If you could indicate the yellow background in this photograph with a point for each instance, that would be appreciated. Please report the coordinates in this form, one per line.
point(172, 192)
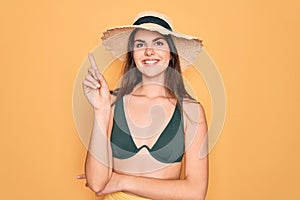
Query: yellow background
point(254, 43)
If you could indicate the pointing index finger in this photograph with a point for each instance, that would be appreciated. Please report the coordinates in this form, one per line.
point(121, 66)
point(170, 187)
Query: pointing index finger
point(92, 61)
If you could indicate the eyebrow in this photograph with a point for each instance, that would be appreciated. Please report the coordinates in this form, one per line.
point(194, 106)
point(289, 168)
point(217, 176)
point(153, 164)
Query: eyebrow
point(154, 40)
point(138, 40)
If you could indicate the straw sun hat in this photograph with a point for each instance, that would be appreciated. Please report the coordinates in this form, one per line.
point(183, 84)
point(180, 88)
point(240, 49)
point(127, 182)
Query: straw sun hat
point(115, 39)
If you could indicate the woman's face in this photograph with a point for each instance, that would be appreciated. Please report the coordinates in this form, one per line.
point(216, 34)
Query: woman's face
point(151, 53)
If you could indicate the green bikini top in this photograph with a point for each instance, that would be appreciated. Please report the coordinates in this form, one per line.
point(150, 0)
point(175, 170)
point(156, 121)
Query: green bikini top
point(169, 148)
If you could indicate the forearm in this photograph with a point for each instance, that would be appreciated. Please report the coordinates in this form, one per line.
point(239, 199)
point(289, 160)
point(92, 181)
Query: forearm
point(158, 189)
point(98, 162)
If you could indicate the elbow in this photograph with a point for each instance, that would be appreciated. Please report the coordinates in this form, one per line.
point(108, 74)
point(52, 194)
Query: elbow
point(96, 189)
point(197, 192)
point(197, 196)
point(96, 186)
point(200, 198)
point(96, 183)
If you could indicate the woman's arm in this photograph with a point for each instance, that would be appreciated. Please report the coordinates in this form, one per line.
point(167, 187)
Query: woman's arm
point(98, 160)
point(194, 186)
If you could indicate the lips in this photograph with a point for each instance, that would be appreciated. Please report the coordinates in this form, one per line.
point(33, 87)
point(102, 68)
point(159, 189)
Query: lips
point(150, 61)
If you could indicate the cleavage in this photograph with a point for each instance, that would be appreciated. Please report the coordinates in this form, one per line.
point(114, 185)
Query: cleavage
point(146, 121)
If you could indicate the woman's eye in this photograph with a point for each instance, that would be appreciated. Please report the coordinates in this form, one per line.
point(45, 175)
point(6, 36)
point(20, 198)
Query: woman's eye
point(159, 43)
point(139, 45)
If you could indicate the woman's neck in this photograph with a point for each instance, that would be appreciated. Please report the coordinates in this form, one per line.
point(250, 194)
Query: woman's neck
point(150, 89)
point(159, 79)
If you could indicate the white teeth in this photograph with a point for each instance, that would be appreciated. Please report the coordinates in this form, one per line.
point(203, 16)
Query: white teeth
point(150, 61)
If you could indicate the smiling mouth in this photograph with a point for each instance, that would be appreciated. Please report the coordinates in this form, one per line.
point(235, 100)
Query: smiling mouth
point(150, 62)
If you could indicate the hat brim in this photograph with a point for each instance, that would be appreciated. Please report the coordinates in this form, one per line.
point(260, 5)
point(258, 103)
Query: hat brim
point(116, 39)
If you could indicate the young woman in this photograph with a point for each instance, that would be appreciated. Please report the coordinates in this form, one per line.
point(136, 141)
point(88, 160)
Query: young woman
point(149, 129)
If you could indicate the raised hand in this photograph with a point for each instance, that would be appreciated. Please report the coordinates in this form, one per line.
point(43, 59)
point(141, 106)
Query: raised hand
point(95, 87)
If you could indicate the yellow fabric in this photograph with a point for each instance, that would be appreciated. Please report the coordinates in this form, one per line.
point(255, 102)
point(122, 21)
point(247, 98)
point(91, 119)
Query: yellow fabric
point(122, 196)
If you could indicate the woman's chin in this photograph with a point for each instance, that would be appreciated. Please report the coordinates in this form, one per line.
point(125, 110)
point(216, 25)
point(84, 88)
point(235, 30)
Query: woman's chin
point(152, 71)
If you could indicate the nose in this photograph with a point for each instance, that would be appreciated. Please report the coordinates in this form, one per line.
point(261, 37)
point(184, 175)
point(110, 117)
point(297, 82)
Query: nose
point(149, 51)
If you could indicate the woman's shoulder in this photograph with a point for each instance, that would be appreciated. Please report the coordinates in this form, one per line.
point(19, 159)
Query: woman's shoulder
point(190, 104)
point(193, 109)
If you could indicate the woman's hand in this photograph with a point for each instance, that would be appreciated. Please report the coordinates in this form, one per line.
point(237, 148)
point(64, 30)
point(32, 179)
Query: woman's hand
point(82, 176)
point(95, 87)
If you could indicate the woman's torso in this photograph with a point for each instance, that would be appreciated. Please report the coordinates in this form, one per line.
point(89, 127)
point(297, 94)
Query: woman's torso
point(148, 140)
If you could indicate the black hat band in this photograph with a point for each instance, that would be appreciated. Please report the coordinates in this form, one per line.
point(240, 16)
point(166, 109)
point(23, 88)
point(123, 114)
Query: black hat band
point(152, 19)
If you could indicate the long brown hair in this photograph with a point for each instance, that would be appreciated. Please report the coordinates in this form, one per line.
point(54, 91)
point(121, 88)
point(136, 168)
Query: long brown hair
point(173, 80)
